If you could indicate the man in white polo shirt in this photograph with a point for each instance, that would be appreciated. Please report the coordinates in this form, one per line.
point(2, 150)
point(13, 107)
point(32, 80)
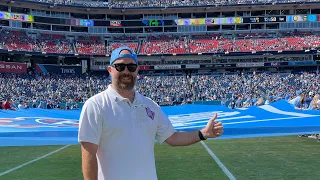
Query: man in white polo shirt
point(118, 127)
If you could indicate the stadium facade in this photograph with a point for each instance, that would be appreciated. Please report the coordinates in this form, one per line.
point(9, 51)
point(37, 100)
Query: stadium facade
point(204, 39)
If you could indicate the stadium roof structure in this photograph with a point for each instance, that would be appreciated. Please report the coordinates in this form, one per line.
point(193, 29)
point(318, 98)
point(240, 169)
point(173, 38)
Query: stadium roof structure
point(154, 10)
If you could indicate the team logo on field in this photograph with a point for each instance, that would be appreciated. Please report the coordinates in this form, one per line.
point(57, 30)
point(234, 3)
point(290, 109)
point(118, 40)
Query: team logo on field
point(37, 122)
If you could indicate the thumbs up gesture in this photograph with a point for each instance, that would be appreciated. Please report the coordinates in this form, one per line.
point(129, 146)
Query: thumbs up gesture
point(213, 129)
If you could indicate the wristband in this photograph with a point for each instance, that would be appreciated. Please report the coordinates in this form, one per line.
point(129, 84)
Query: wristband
point(201, 135)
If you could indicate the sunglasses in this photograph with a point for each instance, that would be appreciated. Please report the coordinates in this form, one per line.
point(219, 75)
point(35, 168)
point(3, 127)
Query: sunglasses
point(120, 67)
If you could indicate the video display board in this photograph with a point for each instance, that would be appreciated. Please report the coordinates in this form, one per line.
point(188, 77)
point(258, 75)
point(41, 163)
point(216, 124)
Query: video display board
point(209, 21)
point(17, 17)
point(159, 22)
point(264, 19)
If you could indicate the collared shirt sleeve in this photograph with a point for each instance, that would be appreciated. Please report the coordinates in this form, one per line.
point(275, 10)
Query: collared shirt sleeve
point(90, 123)
point(164, 128)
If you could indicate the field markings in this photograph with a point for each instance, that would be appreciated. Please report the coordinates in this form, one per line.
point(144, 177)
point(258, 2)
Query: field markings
point(34, 160)
point(224, 169)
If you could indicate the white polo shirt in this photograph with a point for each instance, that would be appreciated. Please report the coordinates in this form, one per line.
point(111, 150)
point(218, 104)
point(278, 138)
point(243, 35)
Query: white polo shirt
point(125, 133)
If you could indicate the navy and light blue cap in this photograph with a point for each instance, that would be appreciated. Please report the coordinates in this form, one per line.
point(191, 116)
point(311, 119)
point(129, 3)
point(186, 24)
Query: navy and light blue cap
point(116, 54)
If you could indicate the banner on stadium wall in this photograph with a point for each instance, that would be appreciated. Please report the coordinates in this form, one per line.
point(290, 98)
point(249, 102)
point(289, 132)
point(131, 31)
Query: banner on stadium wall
point(240, 20)
point(13, 67)
point(217, 65)
point(272, 64)
point(80, 22)
point(167, 67)
point(144, 67)
point(208, 21)
point(294, 63)
point(250, 64)
point(98, 68)
point(58, 69)
point(17, 17)
point(192, 66)
point(302, 18)
point(99, 64)
point(115, 23)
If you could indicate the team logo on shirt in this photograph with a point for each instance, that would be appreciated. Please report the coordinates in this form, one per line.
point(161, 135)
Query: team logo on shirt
point(150, 113)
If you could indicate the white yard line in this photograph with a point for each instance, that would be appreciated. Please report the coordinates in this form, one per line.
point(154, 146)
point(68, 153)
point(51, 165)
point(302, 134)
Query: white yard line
point(224, 169)
point(34, 160)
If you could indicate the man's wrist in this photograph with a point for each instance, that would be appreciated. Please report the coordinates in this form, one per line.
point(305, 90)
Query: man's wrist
point(201, 135)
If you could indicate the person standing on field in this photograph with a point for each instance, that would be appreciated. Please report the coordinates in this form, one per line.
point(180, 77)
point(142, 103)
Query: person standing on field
point(118, 127)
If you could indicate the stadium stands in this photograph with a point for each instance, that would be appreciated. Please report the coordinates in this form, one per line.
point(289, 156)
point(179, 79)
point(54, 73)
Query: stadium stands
point(55, 43)
point(164, 44)
point(242, 90)
point(90, 45)
point(115, 45)
point(161, 3)
point(18, 41)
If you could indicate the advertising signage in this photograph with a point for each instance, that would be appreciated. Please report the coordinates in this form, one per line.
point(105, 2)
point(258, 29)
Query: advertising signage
point(218, 65)
point(159, 22)
point(250, 64)
point(303, 18)
point(72, 22)
point(58, 69)
point(167, 67)
point(16, 17)
point(13, 67)
point(264, 19)
point(209, 21)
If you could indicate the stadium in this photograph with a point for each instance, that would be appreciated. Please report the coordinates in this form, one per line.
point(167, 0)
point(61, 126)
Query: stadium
point(255, 63)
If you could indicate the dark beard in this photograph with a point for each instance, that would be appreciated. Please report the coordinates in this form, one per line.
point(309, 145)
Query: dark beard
point(126, 85)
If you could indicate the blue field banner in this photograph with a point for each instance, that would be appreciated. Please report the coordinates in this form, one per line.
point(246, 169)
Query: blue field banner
point(61, 126)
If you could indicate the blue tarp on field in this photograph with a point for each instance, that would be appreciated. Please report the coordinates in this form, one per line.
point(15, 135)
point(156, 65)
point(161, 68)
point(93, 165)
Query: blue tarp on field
point(59, 127)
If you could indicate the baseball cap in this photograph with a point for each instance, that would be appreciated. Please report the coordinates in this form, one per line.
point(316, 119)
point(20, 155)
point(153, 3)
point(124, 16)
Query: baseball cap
point(116, 54)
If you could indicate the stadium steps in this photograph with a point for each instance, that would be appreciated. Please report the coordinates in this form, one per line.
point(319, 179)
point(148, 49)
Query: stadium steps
point(139, 46)
point(39, 45)
point(74, 48)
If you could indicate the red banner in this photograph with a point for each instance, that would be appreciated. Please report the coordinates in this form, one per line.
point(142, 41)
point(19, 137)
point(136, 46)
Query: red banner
point(12, 67)
point(144, 67)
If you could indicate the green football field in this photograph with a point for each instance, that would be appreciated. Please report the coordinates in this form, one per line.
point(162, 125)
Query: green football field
point(274, 158)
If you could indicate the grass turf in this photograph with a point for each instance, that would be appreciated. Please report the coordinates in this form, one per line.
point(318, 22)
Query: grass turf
point(255, 158)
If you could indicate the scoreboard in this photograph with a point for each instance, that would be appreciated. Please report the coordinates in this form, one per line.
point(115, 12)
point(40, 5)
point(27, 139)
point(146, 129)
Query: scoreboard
point(178, 22)
point(264, 19)
point(160, 22)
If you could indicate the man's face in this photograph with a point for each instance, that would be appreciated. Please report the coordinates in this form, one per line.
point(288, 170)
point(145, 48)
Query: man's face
point(125, 79)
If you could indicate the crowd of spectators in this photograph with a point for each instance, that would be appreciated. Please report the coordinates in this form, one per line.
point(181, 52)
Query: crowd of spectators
point(219, 44)
point(301, 90)
point(235, 91)
point(162, 44)
point(55, 43)
point(161, 3)
point(92, 45)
